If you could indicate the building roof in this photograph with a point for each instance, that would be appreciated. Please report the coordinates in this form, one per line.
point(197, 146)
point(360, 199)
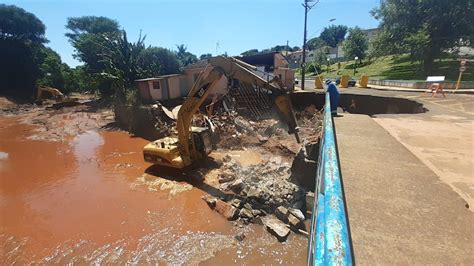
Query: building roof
point(199, 64)
point(259, 59)
point(300, 51)
point(158, 78)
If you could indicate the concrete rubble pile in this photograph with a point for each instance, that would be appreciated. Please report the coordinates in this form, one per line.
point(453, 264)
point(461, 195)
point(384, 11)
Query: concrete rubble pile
point(164, 125)
point(266, 184)
point(233, 131)
point(274, 192)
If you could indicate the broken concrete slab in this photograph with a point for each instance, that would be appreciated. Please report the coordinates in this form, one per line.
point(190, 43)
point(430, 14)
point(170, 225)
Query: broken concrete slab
point(309, 201)
point(253, 192)
point(236, 203)
point(225, 209)
point(226, 178)
point(281, 213)
point(277, 228)
point(237, 185)
point(297, 213)
point(256, 212)
point(240, 236)
point(294, 222)
point(211, 201)
point(246, 213)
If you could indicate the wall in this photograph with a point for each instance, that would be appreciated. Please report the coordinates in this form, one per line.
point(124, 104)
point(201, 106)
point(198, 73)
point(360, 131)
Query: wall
point(144, 91)
point(261, 73)
point(174, 87)
point(280, 61)
point(287, 77)
point(194, 72)
point(184, 86)
point(155, 94)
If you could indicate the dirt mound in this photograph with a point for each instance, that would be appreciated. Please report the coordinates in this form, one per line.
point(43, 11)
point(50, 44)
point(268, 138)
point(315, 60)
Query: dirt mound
point(6, 103)
point(60, 124)
point(148, 121)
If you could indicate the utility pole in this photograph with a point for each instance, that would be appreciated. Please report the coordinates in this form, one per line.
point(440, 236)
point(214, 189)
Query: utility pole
point(307, 7)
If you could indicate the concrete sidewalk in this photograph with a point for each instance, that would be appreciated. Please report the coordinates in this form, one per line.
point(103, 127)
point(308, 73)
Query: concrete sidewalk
point(399, 210)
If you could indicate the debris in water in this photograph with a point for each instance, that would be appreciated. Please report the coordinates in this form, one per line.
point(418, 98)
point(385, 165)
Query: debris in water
point(3, 155)
point(154, 183)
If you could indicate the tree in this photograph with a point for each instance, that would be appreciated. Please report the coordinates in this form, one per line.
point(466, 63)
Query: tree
point(19, 25)
point(122, 61)
point(157, 61)
point(380, 46)
point(315, 43)
point(78, 79)
point(333, 35)
point(313, 68)
point(185, 58)
point(51, 70)
point(278, 48)
point(356, 44)
point(319, 59)
point(425, 28)
point(21, 41)
point(250, 52)
point(205, 56)
point(89, 35)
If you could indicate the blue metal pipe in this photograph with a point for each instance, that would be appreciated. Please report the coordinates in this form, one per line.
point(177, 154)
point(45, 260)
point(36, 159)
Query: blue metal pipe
point(329, 241)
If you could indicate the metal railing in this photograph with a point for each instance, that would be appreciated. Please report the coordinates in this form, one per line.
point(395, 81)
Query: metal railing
point(329, 239)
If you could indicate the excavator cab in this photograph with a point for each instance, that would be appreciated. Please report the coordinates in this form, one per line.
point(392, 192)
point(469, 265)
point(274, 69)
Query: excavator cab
point(165, 151)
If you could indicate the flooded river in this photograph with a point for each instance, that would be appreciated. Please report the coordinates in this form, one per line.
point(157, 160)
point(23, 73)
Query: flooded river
point(78, 201)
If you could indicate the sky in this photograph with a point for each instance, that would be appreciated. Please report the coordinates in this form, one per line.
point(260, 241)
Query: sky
point(204, 26)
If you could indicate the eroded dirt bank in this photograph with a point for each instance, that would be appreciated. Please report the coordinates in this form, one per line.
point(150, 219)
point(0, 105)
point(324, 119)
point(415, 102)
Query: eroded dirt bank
point(73, 191)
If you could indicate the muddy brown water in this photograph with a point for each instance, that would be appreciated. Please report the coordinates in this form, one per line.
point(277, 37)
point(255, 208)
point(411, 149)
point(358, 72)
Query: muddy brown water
point(73, 201)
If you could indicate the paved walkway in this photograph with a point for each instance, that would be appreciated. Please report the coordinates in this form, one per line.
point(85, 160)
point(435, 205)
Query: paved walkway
point(399, 211)
point(442, 138)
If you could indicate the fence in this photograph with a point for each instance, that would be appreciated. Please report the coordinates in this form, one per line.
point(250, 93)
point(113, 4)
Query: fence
point(420, 85)
point(329, 240)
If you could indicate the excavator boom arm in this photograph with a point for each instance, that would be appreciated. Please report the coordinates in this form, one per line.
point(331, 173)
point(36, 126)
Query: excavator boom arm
point(234, 69)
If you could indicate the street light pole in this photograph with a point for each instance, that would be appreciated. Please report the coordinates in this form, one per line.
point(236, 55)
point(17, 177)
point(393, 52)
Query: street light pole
point(304, 45)
point(355, 64)
point(307, 7)
point(328, 64)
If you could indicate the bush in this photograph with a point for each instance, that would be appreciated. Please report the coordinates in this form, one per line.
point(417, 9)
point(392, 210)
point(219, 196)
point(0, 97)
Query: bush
point(313, 68)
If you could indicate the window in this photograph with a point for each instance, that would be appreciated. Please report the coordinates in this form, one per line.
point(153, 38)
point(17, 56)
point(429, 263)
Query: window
point(156, 85)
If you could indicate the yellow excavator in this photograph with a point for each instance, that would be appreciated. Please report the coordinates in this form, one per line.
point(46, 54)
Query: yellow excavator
point(194, 143)
point(52, 93)
point(48, 92)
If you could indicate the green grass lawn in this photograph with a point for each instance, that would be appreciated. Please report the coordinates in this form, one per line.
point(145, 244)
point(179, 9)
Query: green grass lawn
point(399, 68)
